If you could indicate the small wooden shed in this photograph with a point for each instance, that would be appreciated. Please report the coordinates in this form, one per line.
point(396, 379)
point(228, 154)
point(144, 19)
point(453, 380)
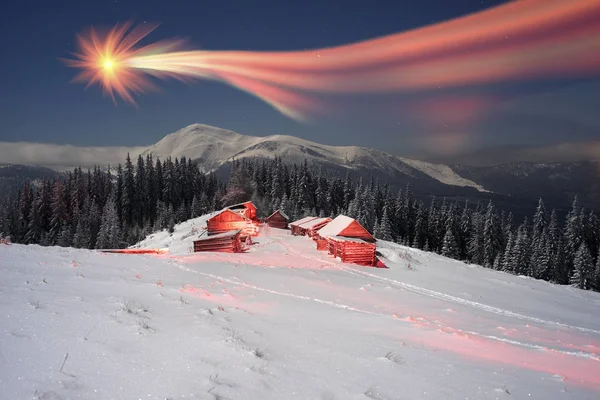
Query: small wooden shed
point(246, 209)
point(348, 240)
point(278, 220)
point(228, 220)
point(228, 242)
point(311, 228)
point(295, 226)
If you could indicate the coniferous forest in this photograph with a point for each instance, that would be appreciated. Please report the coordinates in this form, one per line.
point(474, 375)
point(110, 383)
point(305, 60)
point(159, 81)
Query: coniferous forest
point(115, 208)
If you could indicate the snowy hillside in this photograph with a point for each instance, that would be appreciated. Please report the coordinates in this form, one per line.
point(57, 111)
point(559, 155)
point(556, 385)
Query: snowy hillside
point(284, 321)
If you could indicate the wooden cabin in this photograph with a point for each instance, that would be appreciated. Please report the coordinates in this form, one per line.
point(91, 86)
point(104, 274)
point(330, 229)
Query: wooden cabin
point(295, 226)
point(228, 220)
point(278, 220)
point(246, 210)
point(311, 228)
point(228, 242)
point(348, 240)
point(352, 250)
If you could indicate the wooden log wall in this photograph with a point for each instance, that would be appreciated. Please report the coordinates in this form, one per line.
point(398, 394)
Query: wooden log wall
point(228, 244)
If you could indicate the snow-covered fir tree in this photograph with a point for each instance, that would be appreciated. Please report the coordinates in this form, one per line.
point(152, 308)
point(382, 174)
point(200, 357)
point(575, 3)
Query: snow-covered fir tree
point(582, 277)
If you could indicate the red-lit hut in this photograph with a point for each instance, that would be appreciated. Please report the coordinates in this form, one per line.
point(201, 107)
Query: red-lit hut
point(228, 220)
point(228, 242)
point(311, 228)
point(295, 226)
point(278, 220)
point(349, 240)
point(246, 210)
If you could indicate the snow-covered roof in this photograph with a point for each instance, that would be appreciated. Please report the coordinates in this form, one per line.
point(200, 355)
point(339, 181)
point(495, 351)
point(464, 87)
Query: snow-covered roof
point(220, 235)
point(240, 205)
point(303, 220)
point(314, 222)
point(284, 215)
point(348, 239)
point(217, 213)
point(335, 227)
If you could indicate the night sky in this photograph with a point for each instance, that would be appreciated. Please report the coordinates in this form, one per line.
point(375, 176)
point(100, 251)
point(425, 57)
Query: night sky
point(39, 104)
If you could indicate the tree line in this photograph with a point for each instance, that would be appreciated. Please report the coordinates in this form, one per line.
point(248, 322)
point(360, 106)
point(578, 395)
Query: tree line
point(109, 209)
point(114, 209)
point(542, 247)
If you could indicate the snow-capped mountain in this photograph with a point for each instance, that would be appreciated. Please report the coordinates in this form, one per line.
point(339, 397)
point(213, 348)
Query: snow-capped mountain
point(516, 186)
point(213, 147)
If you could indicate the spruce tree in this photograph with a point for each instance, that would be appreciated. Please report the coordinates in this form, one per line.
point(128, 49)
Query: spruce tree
point(34, 229)
point(127, 193)
point(507, 256)
point(82, 237)
point(195, 209)
point(376, 231)
point(476, 248)
point(492, 236)
point(385, 228)
point(582, 268)
point(597, 273)
point(59, 212)
point(449, 247)
point(109, 236)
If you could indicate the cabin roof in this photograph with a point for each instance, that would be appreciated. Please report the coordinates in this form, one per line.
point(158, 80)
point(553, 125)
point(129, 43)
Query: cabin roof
point(302, 220)
point(215, 215)
point(220, 235)
point(348, 239)
point(241, 205)
point(338, 225)
point(315, 222)
point(281, 213)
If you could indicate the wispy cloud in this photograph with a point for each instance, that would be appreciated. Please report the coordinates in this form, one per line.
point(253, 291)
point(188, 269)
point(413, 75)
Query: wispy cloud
point(55, 155)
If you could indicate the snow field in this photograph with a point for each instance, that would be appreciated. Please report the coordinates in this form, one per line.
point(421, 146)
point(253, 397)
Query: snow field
point(285, 321)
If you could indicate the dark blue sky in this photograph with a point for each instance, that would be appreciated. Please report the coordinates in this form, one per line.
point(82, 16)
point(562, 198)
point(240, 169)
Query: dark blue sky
point(38, 102)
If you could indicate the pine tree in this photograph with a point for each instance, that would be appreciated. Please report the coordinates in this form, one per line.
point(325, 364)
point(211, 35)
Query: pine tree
point(196, 212)
point(64, 238)
point(476, 241)
point(573, 233)
point(127, 193)
point(597, 273)
point(385, 227)
point(59, 212)
point(25, 201)
point(170, 219)
point(539, 221)
point(376, 231)
point(109, 236)
point(449, 247)
point(82, 237)
point(34, 231)
point(583, 268)
point(492, 236)
point(521, 251)
point(507, 257)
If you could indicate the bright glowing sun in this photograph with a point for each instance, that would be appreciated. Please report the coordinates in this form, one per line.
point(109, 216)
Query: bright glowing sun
point(108, 65)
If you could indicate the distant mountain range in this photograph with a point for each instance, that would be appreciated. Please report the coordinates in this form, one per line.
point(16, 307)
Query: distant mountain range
point(515, 186)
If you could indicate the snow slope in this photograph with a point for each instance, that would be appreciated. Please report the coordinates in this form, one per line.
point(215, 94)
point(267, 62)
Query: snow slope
point(443, 173)
point(284, 321)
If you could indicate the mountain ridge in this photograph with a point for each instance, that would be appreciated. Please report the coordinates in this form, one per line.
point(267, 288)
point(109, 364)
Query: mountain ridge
point(516, 185)
point(213, 147)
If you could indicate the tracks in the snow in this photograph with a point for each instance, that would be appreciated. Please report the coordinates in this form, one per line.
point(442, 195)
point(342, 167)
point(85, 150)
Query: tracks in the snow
point(459, 300)
point(437, 295)
point(407, 319)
